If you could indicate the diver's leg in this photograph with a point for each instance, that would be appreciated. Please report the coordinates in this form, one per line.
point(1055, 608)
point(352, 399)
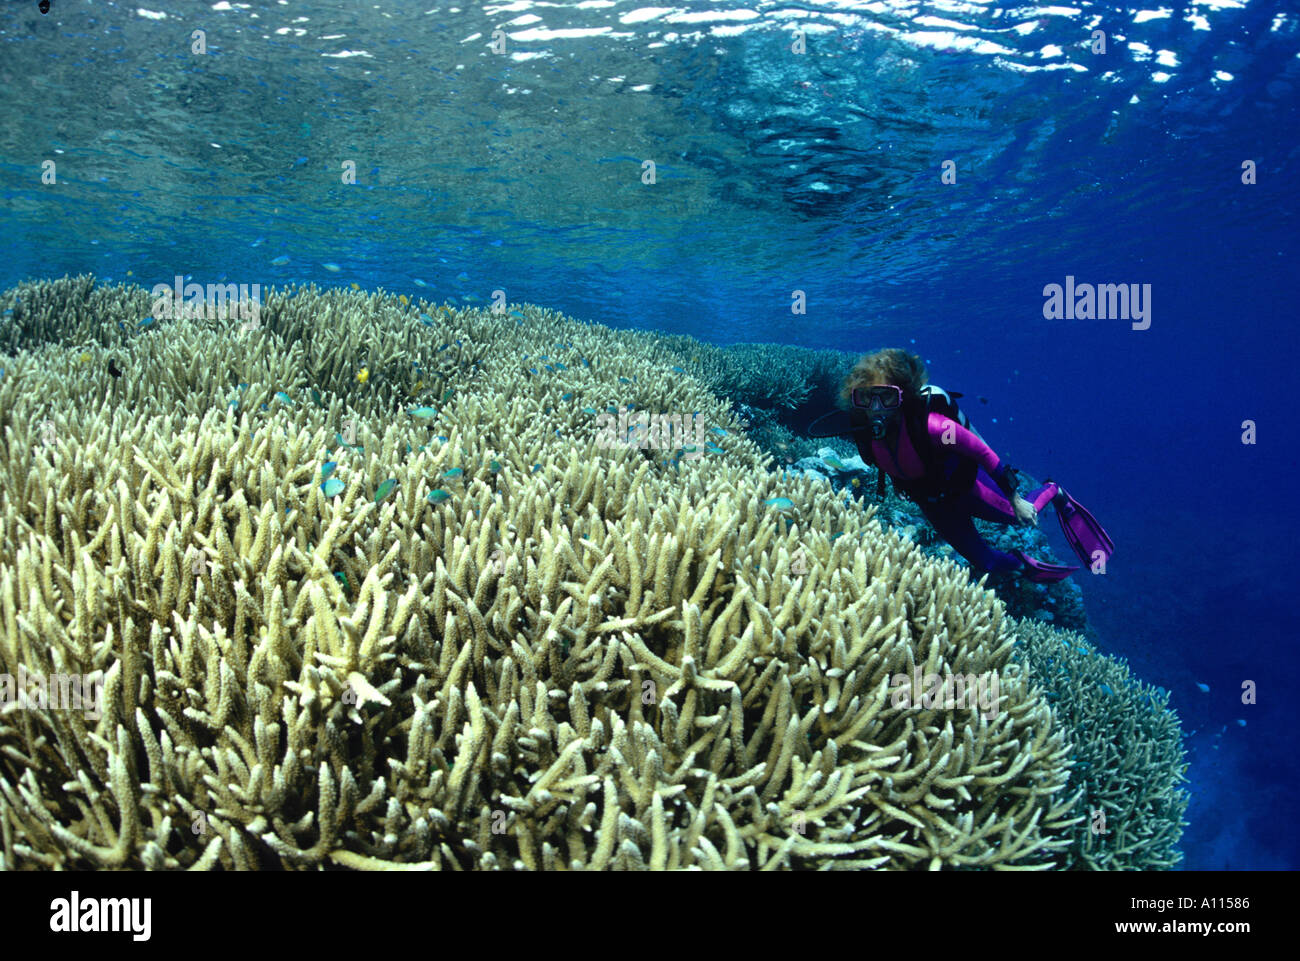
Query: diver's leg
point(990, 504)
point(952, 520)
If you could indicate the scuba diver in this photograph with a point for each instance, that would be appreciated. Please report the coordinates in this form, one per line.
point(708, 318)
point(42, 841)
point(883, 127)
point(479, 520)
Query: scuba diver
point(915, 433)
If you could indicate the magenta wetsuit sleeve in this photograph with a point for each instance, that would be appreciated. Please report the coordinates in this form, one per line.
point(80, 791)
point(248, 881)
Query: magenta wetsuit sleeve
point(946, 433)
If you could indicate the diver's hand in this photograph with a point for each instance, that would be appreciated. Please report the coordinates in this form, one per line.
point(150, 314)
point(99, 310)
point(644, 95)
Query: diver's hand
point(1025, 512)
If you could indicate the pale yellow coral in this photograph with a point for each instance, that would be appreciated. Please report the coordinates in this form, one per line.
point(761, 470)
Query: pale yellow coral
point(585, 657)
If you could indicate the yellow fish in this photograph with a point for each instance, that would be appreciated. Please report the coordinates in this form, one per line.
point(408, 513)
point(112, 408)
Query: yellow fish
point(856, 482)
point(85, 357)
point(402, 299)
point(355, 285)
point(363, 375)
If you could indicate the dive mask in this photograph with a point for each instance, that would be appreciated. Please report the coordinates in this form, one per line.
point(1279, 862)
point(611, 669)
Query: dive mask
point(882, 405)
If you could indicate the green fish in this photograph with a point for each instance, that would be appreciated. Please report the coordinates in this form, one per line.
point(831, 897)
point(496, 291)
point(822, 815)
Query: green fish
point(438, 496)
point(454, 472)
point(328, 468)
point(385, 489)
point(343, 579)
point(447, 396)
point(315, 396)
point(834, 462)
point(283, 397)
point(332, 487)
point(423, 412)
point(494, 465)
point(780, 503)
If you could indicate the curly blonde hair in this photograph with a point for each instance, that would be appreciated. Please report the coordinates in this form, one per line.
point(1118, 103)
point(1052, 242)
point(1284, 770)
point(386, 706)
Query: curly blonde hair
point(890, 366)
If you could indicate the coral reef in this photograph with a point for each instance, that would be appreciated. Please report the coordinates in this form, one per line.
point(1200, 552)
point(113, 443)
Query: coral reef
point(1128, 757)
point(533, 651)
point(775, 377)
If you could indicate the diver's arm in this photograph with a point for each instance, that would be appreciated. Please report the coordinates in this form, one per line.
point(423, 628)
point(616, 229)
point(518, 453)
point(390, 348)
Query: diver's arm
point(947, 433)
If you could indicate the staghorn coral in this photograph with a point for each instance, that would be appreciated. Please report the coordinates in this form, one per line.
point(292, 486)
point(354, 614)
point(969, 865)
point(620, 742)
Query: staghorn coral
point(1127, 752)
point(583, 657)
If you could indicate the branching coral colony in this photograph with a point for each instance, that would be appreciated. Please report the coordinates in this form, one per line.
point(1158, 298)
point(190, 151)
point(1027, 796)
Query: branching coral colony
point(531, 651)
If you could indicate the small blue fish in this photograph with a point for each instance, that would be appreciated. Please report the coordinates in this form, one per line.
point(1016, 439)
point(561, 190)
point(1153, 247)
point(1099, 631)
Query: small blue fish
point(1205, 688)
point(280, 261)
point(332, 487)
point(494, 466)
point(559, 366)
point(332, 268)
point(315, 396)
point(283, 398)
point(543, 356)
point(440, 438)
point(437, 496)
point(258, 242)
point(1106, 689)
point(678, 370)
point(585, 362)
point(426, 320)
point(532, 370)
point(624, 380)
point(328, 468)
point(589, 410)
point(566, 397)
point(146, 322)
point(462, 276)
point(517, 313)
point(418, 282)
point(385, 489)
point(720, 430)
point(454, 472)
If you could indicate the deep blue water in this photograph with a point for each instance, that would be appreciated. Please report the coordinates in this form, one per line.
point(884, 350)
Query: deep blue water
point(779, 172)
